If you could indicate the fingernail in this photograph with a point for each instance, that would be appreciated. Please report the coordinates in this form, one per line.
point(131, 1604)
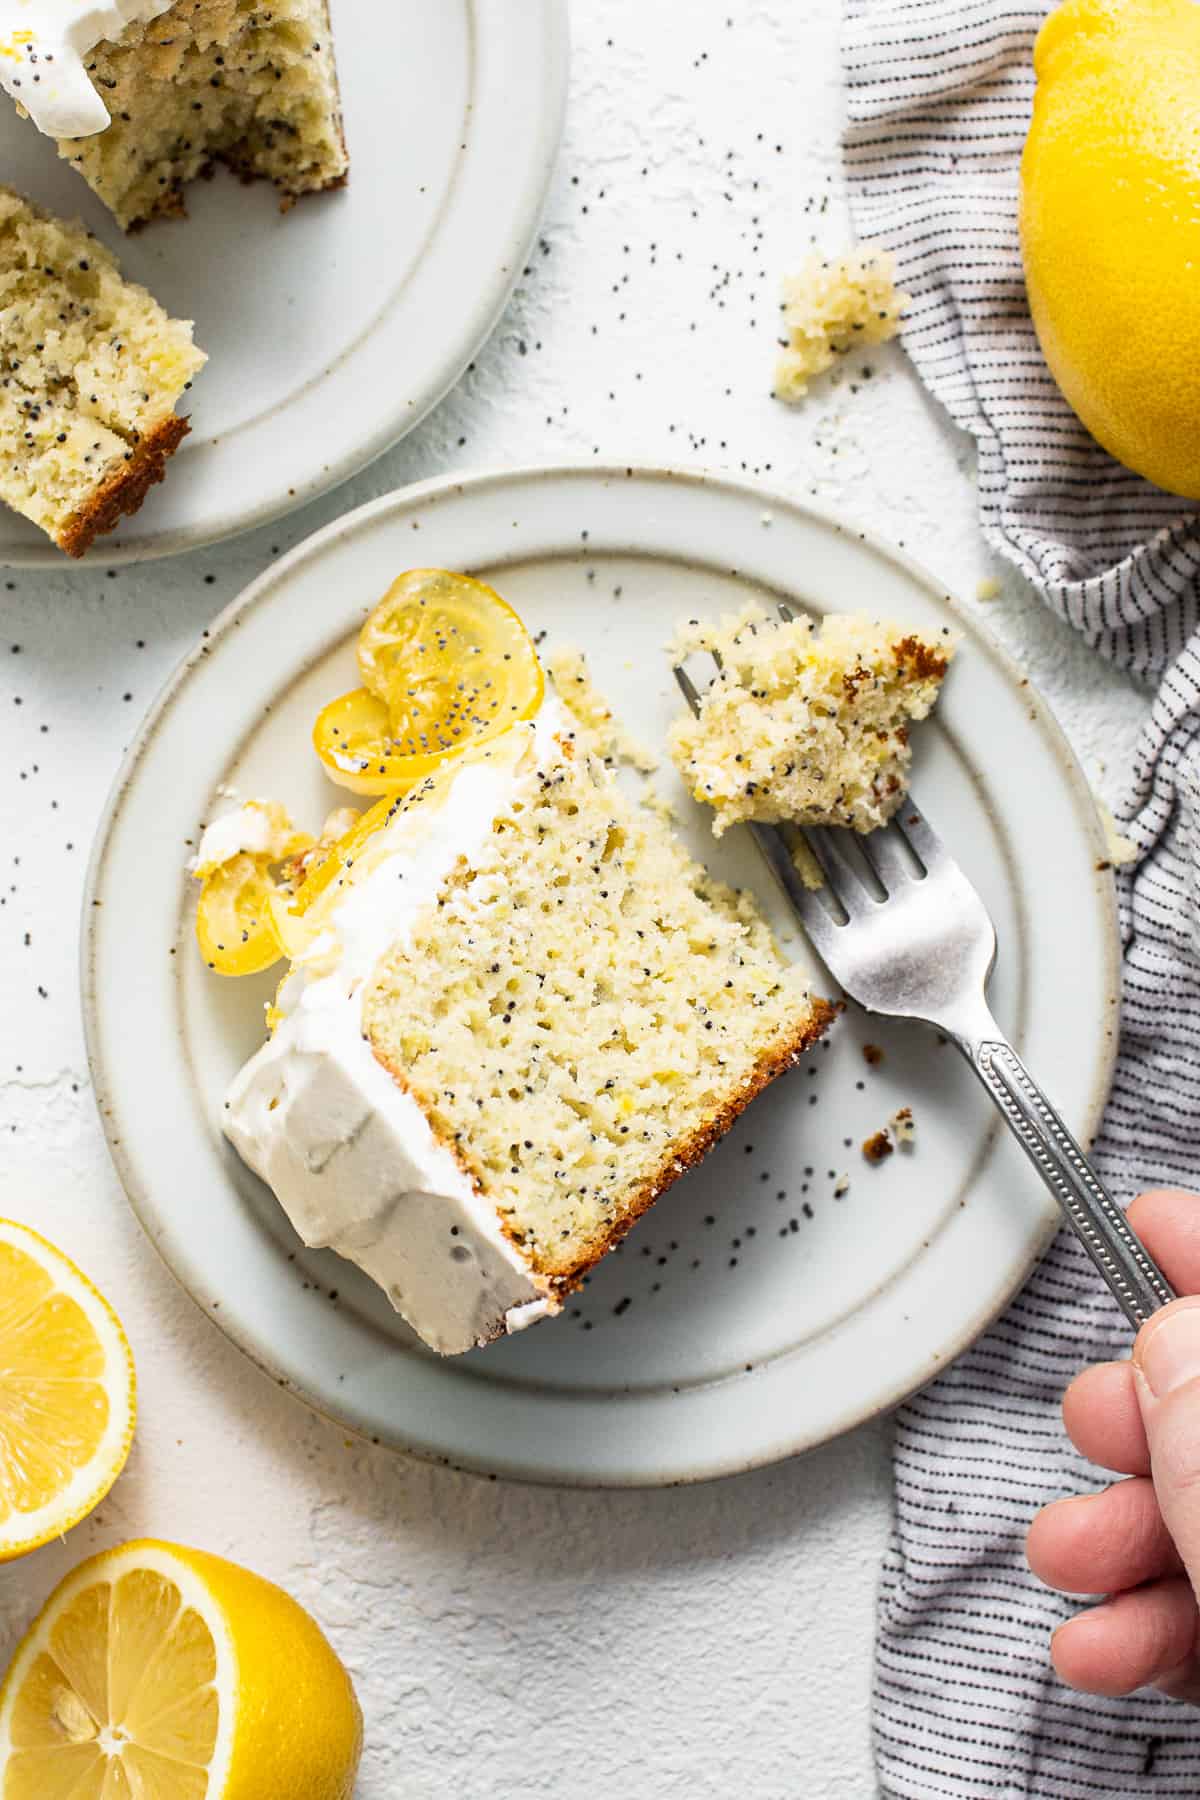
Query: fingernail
point(1169, 1355)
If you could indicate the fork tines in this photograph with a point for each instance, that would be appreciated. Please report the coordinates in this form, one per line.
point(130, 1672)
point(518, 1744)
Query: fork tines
point(858, 869)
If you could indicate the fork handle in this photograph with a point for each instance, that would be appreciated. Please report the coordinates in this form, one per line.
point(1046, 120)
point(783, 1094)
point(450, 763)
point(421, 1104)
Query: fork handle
point(1137, 1283)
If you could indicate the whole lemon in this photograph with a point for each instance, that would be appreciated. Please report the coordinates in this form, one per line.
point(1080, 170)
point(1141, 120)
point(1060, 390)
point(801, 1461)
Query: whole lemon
point(1110, 226)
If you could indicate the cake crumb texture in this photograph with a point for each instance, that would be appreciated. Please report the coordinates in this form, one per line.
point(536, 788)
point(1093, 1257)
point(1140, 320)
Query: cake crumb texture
point(833, 305)
point(583, 1012)
point(805, 722)
point(1121, 850)
point(568, 670)
point(235, 81)
point(92, 370)
point(903, 1127)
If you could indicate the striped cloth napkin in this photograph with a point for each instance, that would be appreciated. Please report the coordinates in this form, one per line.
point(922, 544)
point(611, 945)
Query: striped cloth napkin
point(966, 1704)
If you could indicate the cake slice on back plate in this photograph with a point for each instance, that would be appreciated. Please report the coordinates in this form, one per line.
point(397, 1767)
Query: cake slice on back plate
point(91, 369)
point(517, 1012)
point(143, 96)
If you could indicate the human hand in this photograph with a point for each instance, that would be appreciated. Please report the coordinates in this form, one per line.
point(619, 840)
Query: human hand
point(1139, 1540)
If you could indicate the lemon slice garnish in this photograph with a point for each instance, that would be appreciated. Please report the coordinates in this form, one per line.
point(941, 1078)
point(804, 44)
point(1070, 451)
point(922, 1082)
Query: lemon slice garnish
point(234, 926)
point(445, 663)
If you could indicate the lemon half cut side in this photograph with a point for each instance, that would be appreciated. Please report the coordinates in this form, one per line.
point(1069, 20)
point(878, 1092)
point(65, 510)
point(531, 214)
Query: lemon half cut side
point(67, 1393)
point(159, 1673)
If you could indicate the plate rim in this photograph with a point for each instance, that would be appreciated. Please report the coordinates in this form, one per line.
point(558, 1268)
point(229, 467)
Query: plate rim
point(764, 495)
point(446, 369)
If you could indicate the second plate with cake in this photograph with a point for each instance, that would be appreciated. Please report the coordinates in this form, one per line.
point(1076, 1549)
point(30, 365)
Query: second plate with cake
point(786, 1288)
point(330, 330)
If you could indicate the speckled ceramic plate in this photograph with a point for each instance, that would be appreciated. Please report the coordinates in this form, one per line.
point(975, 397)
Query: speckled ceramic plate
point(756, 1310)
point(331, 331)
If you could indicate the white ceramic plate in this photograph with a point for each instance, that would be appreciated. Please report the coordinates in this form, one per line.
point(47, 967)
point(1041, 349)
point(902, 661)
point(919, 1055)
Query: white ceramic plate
point(752, 1312)
point(332, 330)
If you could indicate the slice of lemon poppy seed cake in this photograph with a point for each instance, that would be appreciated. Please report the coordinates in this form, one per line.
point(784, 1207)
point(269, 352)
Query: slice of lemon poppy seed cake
point(518, 1013)
point(91, 369)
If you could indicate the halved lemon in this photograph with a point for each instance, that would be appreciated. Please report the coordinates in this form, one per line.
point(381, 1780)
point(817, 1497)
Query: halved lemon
point(445, 663)
point(159, 1673)
point(67, 1393)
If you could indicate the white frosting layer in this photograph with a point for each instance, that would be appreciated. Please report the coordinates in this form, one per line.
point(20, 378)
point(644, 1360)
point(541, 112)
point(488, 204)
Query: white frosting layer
point(43, 44)
point(348, 1153)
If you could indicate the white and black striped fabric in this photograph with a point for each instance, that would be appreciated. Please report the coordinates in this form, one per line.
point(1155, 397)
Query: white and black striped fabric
point(966, 1704)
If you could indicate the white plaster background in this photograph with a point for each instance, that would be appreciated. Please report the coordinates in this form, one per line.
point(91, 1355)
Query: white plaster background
point(508, 1639)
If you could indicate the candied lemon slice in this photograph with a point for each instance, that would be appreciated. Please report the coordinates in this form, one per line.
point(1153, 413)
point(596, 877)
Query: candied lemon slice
point(446, 663)
point(67, 1393)
point(334, 866)
point(440, 648)
point(234, 926)
point(300, 918)
point(353, 738)
point(159, 1673)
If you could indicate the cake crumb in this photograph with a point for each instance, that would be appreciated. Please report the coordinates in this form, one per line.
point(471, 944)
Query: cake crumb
point(806, 865)
point(1121, 851)
point(903, 1127)
point(568, 670)
point(833, 305)
point(805, 721)
point(988, 589)
point(872, 1054)
point(876, 1148)
point(841, 1186)
point(658, 804)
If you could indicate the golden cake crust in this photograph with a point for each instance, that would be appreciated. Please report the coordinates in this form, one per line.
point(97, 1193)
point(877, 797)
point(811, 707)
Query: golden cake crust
point(123, 493)
point(684, 1155)
point(693, 1149)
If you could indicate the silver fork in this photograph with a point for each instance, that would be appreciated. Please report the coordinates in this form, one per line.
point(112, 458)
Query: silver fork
point(902, 930)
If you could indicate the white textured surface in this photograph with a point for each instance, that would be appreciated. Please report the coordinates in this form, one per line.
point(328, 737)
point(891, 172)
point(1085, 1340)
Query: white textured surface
point(503, 1638)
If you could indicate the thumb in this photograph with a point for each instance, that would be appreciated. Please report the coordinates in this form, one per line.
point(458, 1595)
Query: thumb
point(1166, 1362)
